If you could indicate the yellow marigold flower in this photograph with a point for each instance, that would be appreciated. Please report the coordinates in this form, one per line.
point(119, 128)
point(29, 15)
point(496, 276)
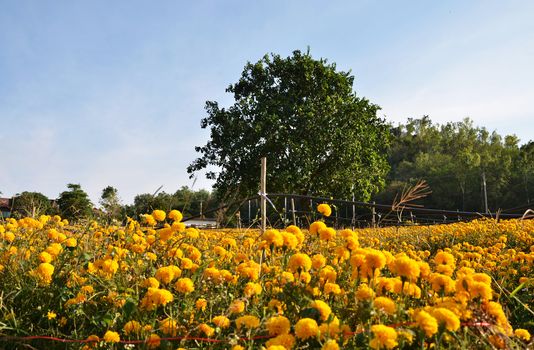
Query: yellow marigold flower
point(278, 325)
point(375, 259)
point(165, 234)
point(327, 234)
point(212, 273)
point(482, 277)
point(318, 261)
point(9, 236)
point(252, 288)
point(290, 240)
point(54, 249)
point(424, 268)
point(206, 329)
point(52, 234)
point(352, 243)
point(276, 347)
point(445, 269)
point(236, 307)
point(426, 322)
point(443, 315)
point(149, 220)
point(285, 340)
point(110, 266)
point(192, 233)
point(442, 283)
point(273, 237)
point(497, 341)
point(44, 272)
point(237, 347)
point(165, 274)
point(406, 267)
point(71, 242)
point(175, 215)
point(247, 321)
point(330, 330)
point(169, 326)
point(316, 226)
point(300, 261)
point(184, 285)
point(156, 297)
point(481, 289)
point(221, 321)
point(178, 227)
point(523, 279)
point(286, 277)
point(131, 327)
point(385, 304)
point(364, 292)
point(297, 232)
point(303, 277)
point(324, 209)
point(153, 341)
point(330, 344)
point(306, 328)
point(159, 215)
point(186, 264)
point(328, 273)
point(45, 257)
point(150, 282)
point(444, 258)
point(522, 334)
point(201, 304)
point(51, 315)
point(384, 337)
point(331, 288)
point(111, 337)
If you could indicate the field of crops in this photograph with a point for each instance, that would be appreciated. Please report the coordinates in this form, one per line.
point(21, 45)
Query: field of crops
point(155, 284)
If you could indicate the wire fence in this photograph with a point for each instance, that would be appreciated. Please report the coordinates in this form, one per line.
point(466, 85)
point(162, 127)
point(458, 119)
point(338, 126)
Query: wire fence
point(292, 209)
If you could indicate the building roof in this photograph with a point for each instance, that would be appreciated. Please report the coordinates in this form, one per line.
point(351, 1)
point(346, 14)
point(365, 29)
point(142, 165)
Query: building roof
point(5, 203)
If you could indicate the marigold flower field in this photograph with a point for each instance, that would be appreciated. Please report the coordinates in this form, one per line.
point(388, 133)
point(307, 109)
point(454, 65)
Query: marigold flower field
point(155, 284)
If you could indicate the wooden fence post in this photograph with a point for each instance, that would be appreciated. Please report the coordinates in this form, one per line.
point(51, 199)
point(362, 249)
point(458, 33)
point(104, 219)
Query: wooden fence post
point(263, 186)
point(293, 210)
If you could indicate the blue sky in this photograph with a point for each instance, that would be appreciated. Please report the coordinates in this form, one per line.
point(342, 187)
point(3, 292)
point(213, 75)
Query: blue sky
point(111, 93)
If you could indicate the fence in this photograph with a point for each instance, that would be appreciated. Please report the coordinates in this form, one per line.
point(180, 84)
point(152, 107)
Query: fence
point(284, 209)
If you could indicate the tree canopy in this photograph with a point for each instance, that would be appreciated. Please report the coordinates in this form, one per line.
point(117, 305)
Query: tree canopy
point(31, 204)
point(302, 115)
point(454, 159)
point(111, 203)
point(188, 201)
point(74, 204)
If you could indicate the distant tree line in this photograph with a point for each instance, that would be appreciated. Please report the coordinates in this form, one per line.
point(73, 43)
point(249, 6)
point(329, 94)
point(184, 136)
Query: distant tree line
point(456, 159)
point(466, 166)
point(74, 204)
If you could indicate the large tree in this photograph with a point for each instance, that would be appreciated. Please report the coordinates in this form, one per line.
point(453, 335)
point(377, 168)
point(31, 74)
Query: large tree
point(31, 204)
point(75, 204)
point(303, 115)
point(111, 203)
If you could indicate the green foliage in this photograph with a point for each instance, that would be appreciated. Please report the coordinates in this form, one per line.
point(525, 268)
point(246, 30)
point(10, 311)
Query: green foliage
point(188, 201)
point(302, 114)
point(32, 204)
point(110, 202)
point(75, 204)
point(453, 158)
